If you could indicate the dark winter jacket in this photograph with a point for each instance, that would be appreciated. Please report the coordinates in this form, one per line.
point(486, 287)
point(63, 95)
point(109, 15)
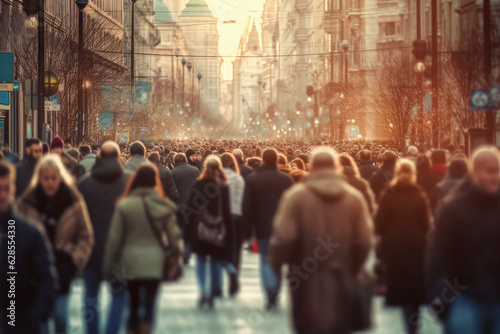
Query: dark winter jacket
point(380, 179)
point(362, 186)
point(168, 184)
point(428, 181)
point(366, 169)
point(24, 173)
point(466, 246)
point(101, 189)
point(245, 171)
point(263, 191)
point(205, 195)
point(36, 282)
point(403, 222)
point(184, 177)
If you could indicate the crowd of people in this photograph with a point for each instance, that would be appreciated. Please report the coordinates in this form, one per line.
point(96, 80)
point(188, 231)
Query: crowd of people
point(347, 220)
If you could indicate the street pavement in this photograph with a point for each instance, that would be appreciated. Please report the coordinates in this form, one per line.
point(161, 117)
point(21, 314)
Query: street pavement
point(177, 311)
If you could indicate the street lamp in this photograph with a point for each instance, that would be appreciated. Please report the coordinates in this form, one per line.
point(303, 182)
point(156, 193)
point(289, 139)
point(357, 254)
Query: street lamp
point(183, 62)
point(190, 66)
point(199, 76)
point(345, 48)
point(176, 53)
point(81, 6)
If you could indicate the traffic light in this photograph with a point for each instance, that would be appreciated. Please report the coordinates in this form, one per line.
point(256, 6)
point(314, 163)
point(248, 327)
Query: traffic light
point(419, 50)
point(31, 7)
point(310, 91)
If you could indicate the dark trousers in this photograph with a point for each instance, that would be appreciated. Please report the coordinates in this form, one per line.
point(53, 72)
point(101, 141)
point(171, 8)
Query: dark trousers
point(142, 301)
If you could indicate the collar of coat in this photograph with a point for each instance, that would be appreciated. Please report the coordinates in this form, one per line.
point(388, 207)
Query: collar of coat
point(327, 184)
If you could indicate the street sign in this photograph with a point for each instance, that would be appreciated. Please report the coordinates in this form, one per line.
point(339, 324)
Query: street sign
point(483, 99)
point(7, 67)
point(15, 85)
point(6, 87)
point(52, 103)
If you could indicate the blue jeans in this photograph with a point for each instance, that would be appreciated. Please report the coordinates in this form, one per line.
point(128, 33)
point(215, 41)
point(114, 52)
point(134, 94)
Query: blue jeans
point(119, 300)
point(271, 280)
point(215, 274)
point(92, 279)
point(59, 315)
point(471, 316)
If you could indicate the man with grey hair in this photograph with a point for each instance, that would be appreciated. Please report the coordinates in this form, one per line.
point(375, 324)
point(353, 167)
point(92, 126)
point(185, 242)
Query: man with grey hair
point(330, 221)
point(464, 268)
point(412, 154)
point(244, 169)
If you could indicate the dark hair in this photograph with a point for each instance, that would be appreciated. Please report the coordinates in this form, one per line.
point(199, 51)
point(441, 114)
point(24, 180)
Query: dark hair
point(180, 157)
point(438, 157)
point(423, 163)
point(458, 168)
point(146, 175)
point(253, 163)
point(137, 148)
point(270, 156)
point(85, 149)
point(5, 169)
point(390, 157)
point(229, 161)
point(33, 141)
point(154, 157)
point(282, 160)
point(365, 155)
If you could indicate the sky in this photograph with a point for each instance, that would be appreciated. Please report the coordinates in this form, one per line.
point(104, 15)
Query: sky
point(230, 33)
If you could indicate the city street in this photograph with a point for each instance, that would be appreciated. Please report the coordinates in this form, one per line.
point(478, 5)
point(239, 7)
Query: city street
point(244, 314)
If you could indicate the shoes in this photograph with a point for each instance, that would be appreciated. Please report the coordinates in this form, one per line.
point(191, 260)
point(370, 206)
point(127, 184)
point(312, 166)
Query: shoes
point(203, 300)
point(210, 303)
point(234, 285)
point(217, 294)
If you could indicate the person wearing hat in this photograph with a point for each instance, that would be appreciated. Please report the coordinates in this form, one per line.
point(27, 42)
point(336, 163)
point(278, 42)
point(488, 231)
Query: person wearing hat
point(193, 158)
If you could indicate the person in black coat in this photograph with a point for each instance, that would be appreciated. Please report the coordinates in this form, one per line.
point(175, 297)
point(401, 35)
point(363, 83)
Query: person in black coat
point(245, 171)
point(184, 177)
point(263, 191)
point(403, 223)
point(464, 261)
point(24, 170)
point(457, 170)
point(426, 179)
point(27, 301)
point(350, 171)
point(166, 179)
point(380, 179)
point(210, 196)
point(101, 188)
point(366, 166)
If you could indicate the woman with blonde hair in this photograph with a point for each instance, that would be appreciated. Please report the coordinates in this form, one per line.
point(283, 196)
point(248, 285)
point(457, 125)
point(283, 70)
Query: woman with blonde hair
point(142, 215)
point(210, 228)
point(403, 222)
point(54, 202)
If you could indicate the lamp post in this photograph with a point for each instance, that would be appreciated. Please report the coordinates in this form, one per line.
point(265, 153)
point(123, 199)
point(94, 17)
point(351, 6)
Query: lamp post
point(199, 92)
point(81, 6)
point(189, 67)
point(176, 53)
point(132, 58)
point(345, 48)
point(183, 61)
point(41, 64)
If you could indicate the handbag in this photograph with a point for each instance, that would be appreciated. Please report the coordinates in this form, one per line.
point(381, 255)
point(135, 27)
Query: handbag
point(172, 262)
point(211, 229)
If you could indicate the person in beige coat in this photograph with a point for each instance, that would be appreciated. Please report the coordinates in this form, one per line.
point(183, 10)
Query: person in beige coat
point(54, 202)
point(323, 231)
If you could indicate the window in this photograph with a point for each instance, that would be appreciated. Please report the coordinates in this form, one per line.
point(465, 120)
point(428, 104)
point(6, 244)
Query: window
point(390, 28)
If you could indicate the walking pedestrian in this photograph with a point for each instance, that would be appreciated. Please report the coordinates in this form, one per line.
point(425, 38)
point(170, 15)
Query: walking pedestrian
point(138, 156)
point(35, 282)
point(403, 223)
point(132, 249)
point(101, 189)
point(87, 157)
point(322, 230)
point(24, 170)
point(236, 190)
point(366, 165)
point(464, 266)
point(263, 191)
point(209, 203)
point(166, 179)
point(244, 169)
point(380, 179)
point(53, 201)
point(351, 172)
